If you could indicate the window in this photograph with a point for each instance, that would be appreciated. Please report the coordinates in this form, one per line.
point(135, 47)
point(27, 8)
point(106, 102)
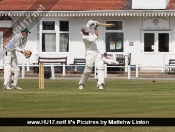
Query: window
point(151, 38)
point(54, 36)
point(114, 37)
point(5, 18)
point(148, 42)
point(48, 36)
point(118, 25)
point(49, 42)
point(163, 42)
point(48, 25)
point(64, 36)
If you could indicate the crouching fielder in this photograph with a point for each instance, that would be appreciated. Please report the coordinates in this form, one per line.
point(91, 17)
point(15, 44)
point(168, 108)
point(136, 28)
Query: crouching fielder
point(92, 55)
point(17, 43)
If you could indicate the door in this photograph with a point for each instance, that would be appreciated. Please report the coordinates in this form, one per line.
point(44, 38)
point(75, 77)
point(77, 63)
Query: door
point(153, 46)
point(1, 54)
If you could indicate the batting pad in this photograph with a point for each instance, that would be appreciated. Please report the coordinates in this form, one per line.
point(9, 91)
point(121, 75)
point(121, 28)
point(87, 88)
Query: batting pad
point(84, 78)
point(100, 70)
point(7, 73)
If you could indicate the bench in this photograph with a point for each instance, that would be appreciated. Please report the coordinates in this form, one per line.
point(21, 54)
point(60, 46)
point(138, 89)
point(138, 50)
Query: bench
point(171, 63)
point(121, 59)
point(2, 71)
point(78, 61)
point(52, 60)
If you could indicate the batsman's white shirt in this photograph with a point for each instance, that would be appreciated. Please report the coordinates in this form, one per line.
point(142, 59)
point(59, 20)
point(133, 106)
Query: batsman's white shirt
point(89, 41)
point(92, 53)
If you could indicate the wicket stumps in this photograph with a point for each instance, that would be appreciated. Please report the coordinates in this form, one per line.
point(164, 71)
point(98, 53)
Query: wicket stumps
point(41, 76)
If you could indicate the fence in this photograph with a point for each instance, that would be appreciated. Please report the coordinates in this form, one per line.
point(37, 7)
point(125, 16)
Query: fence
point(137, 67)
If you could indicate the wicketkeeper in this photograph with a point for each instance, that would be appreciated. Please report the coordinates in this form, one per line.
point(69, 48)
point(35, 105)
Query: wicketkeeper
point(17, 43)
point(108, 60)
point(93, 56)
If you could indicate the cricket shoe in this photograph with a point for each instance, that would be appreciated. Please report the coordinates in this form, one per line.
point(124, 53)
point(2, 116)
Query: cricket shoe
point(15, 87)
point(100, 87)
point(6, 87)
point(80, 86)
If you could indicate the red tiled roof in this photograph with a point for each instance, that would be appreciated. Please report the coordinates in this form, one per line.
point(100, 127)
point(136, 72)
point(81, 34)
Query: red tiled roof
point(70, 5)
point(171, 5)
point(64, 5)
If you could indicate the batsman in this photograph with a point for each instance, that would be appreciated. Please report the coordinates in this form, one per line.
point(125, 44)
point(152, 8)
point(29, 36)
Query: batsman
point(17, 43)
point(92, 55)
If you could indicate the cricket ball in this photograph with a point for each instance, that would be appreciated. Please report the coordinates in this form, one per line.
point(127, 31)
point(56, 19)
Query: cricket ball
point(153, 80)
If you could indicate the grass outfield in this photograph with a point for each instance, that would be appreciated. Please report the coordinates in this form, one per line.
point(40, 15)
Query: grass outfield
point(62, 98)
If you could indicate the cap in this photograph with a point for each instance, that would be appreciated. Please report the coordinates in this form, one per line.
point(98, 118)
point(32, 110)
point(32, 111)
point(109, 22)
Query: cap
point(26, 30)
point(85, 29)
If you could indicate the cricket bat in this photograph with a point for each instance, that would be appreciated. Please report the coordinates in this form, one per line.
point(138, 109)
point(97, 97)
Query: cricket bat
point(107, 25)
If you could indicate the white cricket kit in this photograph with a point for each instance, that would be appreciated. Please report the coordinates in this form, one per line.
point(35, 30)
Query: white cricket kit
point(17, 43)
point(110, 61)
point(92, 57)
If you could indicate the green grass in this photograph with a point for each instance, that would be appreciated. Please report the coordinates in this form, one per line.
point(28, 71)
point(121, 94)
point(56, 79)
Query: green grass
point(62, 98)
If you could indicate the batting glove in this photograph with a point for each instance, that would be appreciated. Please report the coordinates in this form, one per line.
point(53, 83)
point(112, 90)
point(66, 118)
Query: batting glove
point(96, 23)
point(27, 53)
point(91, 23)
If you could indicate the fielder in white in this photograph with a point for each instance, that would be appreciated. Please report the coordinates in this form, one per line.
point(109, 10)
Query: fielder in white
point(93, 56)
point(17, 43)
point(108, 60)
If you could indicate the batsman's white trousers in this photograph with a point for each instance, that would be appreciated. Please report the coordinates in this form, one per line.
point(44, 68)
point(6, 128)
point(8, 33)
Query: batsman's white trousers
point(10, 65)
point(93, 57)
